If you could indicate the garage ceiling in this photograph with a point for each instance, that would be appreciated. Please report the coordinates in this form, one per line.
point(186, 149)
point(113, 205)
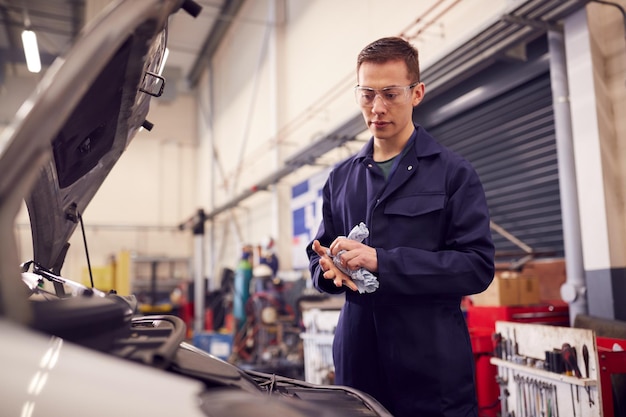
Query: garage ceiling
point(57, 23)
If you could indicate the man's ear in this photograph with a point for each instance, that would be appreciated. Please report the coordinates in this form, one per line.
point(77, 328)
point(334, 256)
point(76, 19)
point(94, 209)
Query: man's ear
point(418, 93)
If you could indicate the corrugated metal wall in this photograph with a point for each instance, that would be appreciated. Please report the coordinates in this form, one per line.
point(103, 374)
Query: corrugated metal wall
point(510, 141)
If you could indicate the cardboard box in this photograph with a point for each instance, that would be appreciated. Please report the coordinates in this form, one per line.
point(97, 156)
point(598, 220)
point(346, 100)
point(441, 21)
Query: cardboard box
point(528, 290)
point(503, 291)
point(551, 274)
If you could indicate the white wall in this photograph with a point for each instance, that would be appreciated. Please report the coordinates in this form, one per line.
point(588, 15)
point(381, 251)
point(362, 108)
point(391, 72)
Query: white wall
point(607, 29)
point(597, 75)
point(282, 79)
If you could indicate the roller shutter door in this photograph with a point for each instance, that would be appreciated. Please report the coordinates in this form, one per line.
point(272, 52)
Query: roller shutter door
point(510, 141)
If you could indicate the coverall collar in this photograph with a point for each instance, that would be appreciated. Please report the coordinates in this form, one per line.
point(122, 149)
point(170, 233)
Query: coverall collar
point(423, 144)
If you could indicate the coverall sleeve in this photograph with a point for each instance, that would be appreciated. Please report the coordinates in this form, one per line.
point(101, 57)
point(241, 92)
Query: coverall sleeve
point(463, 263)
point(325, 234)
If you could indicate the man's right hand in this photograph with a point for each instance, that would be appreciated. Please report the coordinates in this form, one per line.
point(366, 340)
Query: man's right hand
point(330, 270)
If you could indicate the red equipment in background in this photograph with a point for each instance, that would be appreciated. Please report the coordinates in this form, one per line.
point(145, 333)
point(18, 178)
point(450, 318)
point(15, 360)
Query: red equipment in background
point(485, 317)
point(612, 363)
point(487, 390)
point(481, 321)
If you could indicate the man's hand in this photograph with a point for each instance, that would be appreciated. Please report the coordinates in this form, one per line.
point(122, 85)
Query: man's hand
point(357, 255)
point(330, 270)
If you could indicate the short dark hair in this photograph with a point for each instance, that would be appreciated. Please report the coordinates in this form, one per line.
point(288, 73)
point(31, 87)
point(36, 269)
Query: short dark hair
point(391, 49)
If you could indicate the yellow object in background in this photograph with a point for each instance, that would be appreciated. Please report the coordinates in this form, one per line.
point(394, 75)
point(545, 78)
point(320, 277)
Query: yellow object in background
point(113, 276)
point(122, 272)
point(155, 309)
point(103, 277)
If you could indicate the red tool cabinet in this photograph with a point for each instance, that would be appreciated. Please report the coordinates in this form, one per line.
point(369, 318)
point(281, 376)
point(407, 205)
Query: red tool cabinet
point(481, 323)
point(611, 362)
point(485, 317)
point(487, 390)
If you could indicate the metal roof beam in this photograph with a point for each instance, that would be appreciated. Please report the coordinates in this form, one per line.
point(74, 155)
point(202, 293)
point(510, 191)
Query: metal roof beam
point(306, 156)
point(214, 38)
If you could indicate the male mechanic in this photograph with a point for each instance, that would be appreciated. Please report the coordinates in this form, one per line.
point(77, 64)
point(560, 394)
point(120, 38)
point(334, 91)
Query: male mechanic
point(406, 342)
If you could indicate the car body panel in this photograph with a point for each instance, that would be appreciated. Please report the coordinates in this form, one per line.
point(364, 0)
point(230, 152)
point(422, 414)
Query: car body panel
point(52, 377)
point(82, 351)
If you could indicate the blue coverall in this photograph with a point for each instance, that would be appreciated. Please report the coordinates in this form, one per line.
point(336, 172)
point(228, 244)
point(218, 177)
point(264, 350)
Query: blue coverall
point(407, 344)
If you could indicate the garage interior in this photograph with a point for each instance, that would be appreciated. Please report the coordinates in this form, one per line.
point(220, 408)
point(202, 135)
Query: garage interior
point(220, 191)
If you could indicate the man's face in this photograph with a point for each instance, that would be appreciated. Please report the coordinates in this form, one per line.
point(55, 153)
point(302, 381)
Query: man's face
point(388, 116)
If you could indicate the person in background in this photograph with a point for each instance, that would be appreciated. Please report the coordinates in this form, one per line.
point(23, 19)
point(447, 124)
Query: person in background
point(267, 255)
point(406, 342)
point(268, 259)
point(243, 277)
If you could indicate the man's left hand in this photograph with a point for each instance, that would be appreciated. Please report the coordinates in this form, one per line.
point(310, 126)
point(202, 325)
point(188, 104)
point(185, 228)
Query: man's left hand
point(357, 255)
point(330, 269)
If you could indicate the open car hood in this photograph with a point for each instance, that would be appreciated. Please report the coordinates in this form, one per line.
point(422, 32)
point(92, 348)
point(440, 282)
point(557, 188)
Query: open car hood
point(88, 145)
point(69, 134)
point(95, 132)
point(62, 145)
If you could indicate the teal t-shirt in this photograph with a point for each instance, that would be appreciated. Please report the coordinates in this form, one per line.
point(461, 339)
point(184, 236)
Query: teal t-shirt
point(386, 166)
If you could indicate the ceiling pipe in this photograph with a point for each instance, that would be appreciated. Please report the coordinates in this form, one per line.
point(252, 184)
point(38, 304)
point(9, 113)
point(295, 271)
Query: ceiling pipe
point(574, 290)
point(433, 20)
point(213, 39)
point(256, 83)
point(420, 18)
point(307, 156)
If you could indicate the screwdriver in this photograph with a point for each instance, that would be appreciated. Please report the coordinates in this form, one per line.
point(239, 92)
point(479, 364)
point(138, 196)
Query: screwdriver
point(586, 360)
point(569, 357)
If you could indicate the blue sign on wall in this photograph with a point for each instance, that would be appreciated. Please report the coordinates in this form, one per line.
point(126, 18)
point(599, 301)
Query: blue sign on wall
point(306, 209)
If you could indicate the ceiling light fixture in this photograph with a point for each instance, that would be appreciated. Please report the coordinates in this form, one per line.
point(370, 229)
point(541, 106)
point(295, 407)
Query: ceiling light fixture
point(31, 50)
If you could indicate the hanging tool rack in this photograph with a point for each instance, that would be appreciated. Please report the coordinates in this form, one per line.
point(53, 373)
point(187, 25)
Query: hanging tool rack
point(547, 371)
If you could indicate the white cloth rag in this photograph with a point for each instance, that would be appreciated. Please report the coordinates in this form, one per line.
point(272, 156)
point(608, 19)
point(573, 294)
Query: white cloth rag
point(364, 279)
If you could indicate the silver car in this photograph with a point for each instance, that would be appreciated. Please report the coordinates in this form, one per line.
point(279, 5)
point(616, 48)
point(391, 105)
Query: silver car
point(70, 350)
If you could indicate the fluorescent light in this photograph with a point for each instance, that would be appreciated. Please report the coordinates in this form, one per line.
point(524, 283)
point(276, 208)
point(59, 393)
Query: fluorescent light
point(165, 55)
point(31, 51)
